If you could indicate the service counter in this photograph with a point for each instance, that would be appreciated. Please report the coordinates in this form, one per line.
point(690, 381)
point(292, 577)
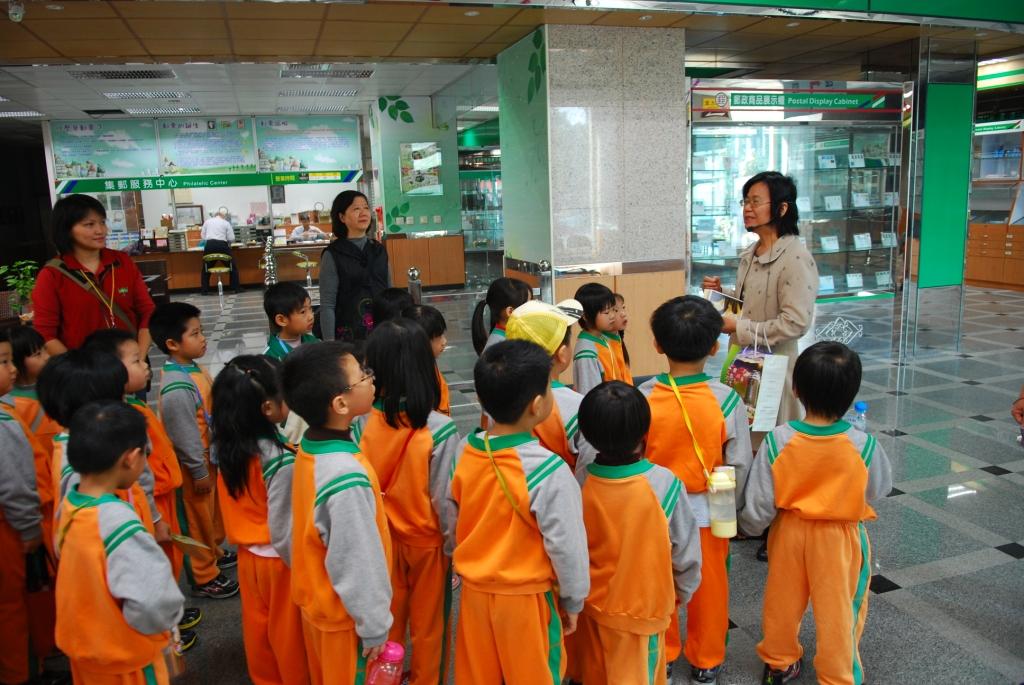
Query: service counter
point(441, 262)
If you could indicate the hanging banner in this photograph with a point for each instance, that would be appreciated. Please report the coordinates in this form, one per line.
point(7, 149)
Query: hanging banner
point(222, 145)
point(101, 185)
point(315, 143)
point(101, 149)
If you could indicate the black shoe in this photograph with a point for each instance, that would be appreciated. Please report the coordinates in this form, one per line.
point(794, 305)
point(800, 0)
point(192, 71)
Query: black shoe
point(228, 560)
point(705, 676)
point(762, 552)
point(189, 639)
point(773, 677)
point(220, 587)
point(190, 618)
point(52, 678)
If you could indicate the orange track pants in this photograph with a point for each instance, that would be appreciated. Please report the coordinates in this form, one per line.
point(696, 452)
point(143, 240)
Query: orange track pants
point(196, 518)
point(154, 674)
point(271, 623)
point(829, 563)
point(166, 505)
point(515, 639)
point(335, 657)
point(707, 614)
point(15, 658)
point(619, 657)
point(420, 582)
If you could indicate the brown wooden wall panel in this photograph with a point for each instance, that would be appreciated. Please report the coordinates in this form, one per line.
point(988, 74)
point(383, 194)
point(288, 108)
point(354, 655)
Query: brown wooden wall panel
point(447, 261)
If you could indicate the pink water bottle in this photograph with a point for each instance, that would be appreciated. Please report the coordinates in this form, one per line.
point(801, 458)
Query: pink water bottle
point(387, 668)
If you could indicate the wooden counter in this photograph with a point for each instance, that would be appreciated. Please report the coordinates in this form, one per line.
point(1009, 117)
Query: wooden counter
point(441, 261)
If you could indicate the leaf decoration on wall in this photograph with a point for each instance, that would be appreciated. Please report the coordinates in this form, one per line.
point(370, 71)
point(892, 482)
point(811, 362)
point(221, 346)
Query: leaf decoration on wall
point(396, 107)
point(397, 212)
point(538, 66)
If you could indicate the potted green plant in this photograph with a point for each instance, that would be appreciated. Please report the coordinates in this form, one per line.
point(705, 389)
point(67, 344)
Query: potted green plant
point(20, 277)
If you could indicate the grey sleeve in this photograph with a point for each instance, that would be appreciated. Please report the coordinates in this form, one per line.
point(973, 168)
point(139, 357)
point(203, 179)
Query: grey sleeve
point(278, 465)
point(759, 504)
point(178, 412)
point(686, 558)
point(441, 461)
point(147, 482)
point(586, 374)
point(450, 513)
point(138, 573)
point(355, 560)
point(585, 456)
point(19, 498)
point(738, 451)
point(328, 296)
point(558, 505)
point(879, 475)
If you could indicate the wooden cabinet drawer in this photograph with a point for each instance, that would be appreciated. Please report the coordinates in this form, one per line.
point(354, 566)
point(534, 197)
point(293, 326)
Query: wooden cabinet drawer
point(981, 268)
point(989, 231)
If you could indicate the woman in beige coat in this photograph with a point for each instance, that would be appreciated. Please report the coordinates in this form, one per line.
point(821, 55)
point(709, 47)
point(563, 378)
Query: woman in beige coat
point(777, 278)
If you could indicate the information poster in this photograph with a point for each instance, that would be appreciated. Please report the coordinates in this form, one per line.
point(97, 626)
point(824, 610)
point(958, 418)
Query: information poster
point(206, 146)
point(421, 168)
point(104, 149)
point(316, 143)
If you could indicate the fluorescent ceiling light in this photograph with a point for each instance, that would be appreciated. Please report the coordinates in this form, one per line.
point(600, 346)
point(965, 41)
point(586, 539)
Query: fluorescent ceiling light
point(326, 70)
point(994, 60)
point(318, 93)
point(312, 109)
point(3, 99)
point(153, 95)
point(162, 110)
point(20, 115)
point(485, 108)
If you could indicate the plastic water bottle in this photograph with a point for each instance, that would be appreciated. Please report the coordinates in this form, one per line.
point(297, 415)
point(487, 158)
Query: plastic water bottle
point(387, 668)
point(858, 417)
point(722, 502)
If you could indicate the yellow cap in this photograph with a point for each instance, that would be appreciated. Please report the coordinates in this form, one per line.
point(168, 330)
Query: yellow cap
point(543, 323)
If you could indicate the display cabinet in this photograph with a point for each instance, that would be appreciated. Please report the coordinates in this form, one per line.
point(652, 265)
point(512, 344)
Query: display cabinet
point(482, 228)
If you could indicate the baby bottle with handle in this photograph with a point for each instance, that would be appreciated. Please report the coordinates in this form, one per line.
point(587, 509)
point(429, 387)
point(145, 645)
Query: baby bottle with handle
point(722, 502)
point(386, 669)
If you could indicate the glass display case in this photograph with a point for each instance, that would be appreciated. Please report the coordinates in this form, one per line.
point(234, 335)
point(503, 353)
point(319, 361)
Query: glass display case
point(993, 203)
point(482, 228)
point(997, 152)
point(847, 180)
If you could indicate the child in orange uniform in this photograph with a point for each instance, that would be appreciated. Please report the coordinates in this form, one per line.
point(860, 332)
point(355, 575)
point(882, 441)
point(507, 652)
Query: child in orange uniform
point(503, 295)
point(30, 356)
point(21, 532)
point(516, 523)
point(618, 337)
point(631, 508)
point(290, 316)
point(185, 408)
point(697, 424)
point(254, 484)
point(341, 548)
point(598, 354)
point(112, 574)
point(434, 324)
point(412, 447)
point(812, 481)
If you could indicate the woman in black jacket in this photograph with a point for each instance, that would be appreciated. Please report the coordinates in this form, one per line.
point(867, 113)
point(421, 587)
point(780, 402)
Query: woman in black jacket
point(352, 270)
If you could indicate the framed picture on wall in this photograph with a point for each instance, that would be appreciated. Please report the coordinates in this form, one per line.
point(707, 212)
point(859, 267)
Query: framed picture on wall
point(188, 215)
point(421, 168)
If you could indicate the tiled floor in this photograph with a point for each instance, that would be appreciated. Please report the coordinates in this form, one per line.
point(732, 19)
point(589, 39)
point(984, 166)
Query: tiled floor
point(947, 600)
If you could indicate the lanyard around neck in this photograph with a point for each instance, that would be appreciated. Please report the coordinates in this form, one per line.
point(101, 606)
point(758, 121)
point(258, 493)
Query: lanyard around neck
point(693, 435)
point(502, 482)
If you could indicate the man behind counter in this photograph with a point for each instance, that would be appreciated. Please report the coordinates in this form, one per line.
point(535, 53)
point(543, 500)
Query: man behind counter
point(306, 231)
point(217, 236)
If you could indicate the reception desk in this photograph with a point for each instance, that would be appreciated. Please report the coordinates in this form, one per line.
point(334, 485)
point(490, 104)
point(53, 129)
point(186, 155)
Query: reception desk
point(441, 262)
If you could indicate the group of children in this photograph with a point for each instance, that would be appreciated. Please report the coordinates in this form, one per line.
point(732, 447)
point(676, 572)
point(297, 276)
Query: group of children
point(577, 519)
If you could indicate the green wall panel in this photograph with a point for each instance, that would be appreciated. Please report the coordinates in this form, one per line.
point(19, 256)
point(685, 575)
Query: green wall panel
point(949, 126)
point(990, 10)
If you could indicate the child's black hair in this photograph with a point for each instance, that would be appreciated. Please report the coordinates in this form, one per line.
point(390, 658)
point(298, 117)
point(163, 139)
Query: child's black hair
point(101, 432)
point(430, 318)
point(108, 340)
point(169, 322)
point(68, 211)
point(389, 303)
point(509, 376)
point(503, 292)
point(594, 298)
point(25, 341)
point(285, 299)
point(826, 378)
point(239, 423)
point(312, 377)
point(614, 417)
point(399, 353)
point(76, 378)
point(686, 328)
point(622, 334)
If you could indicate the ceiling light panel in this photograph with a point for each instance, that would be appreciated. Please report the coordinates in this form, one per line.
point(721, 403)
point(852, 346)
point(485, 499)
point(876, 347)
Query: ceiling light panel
point(312, 109)
point(323, 71)
point(20, 115)
point(125, 75)
point(154, 95)
point(319, 93)
point(162, 110)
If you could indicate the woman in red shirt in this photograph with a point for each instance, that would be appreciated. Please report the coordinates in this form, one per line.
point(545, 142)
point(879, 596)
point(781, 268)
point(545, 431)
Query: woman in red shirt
point(87, 287)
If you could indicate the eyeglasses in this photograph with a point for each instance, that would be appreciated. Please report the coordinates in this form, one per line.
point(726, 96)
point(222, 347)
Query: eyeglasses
point(367, 375)
point(753, 203)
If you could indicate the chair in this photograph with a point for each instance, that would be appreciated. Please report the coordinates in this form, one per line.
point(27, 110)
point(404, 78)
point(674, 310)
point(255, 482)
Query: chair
point(308, 265)
point(218, 263)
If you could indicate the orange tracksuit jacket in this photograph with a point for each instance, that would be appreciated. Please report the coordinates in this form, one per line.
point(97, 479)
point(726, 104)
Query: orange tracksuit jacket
point(21, 519)
point(560, 431)
point(512, 557)
point(185, 408)
point(719, 418)
point(259, 521)
point(163, 462)
point(116, 599)
point(444, 403)
point(615, 343)
point(27, 406)
point(638, 526)
point(594, 361)
point(813, 485)
point(414, 467)
point(341, 553)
